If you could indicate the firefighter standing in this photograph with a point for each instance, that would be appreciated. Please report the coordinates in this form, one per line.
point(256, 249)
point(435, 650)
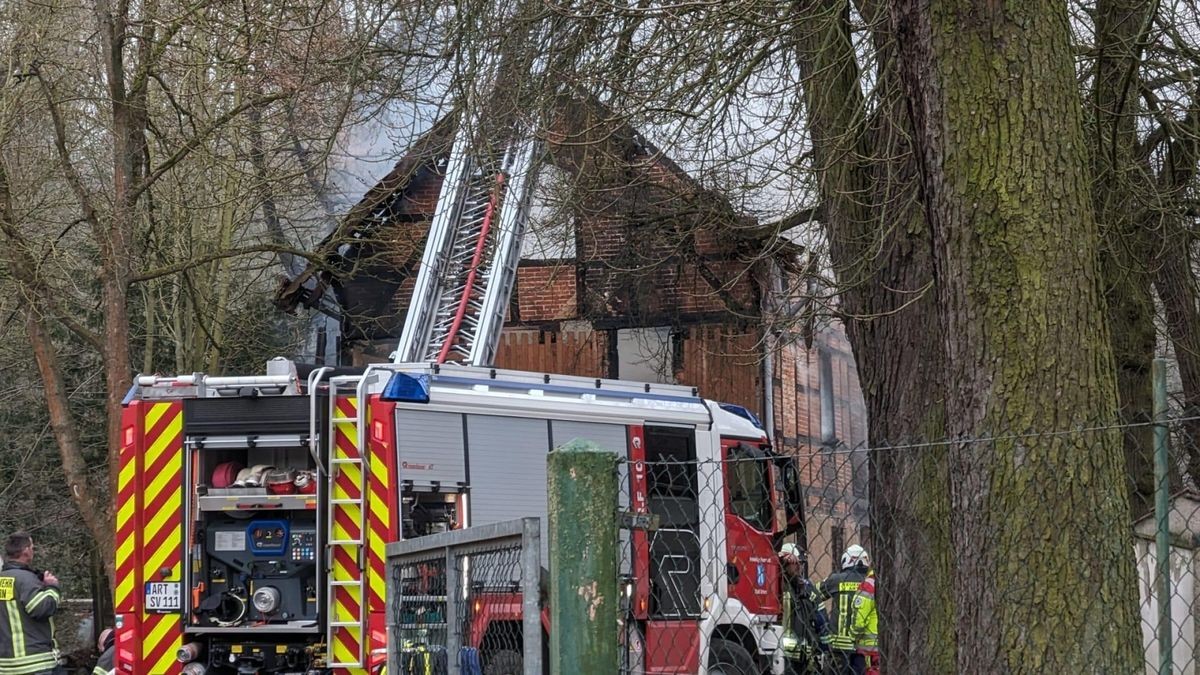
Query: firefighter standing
point(841, 589)
point(866, 624)
point(807, 623)
point(28, 600)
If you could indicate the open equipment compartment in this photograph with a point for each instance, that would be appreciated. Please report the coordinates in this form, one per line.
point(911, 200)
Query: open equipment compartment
point(254, 558)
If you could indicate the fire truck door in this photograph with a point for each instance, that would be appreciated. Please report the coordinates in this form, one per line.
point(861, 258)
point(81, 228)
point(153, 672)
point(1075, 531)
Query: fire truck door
point(672, 630)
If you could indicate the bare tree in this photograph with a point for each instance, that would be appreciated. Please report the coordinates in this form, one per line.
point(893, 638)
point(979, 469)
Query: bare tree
point(167, 129)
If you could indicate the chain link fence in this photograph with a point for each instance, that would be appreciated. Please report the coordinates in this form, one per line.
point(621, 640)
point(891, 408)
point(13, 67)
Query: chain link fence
point(1021, 549)
point(467, 601)
point(1015, 552)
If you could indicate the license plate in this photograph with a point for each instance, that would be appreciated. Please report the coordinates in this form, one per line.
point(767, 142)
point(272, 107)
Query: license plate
point(163, 597)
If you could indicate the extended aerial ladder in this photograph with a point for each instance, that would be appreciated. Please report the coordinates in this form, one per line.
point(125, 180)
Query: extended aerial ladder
point(473, 247)
point(456, 313)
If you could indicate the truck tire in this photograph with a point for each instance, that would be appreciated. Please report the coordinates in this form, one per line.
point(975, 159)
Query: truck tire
point(505, 662)
point(729, 658)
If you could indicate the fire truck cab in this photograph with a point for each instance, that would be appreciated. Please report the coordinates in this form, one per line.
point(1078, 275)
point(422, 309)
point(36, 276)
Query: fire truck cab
point(254, 512)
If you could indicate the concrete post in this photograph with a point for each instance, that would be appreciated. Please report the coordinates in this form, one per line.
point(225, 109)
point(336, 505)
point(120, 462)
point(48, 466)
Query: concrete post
point(583, 560)
point(1162, 505)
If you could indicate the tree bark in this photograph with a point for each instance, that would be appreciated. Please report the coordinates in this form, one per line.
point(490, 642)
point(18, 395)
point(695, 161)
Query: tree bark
point(1176, 286)
point(1039, 523)
point(93, 509)
point(1118, 184)
point(880, 249)
point(1174, 279)
point(128, 97)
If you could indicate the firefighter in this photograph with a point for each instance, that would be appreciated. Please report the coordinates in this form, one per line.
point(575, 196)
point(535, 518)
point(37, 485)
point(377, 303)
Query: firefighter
point(107, 646)
point(841, 589)
point(866, 624)
point(28, 600)
point(806, 629)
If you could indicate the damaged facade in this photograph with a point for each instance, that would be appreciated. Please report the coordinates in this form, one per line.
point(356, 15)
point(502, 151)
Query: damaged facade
point(630, 269)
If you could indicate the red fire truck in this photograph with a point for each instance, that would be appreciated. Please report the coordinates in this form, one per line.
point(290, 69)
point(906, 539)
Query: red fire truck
point(253, 512)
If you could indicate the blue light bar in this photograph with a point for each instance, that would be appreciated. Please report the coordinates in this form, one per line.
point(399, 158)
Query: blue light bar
point(741, 412)
point(407, 388)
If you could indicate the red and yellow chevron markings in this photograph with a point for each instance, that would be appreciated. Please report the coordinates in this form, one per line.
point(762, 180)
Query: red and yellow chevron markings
point(149, 531)
point(347, 526)
point(382, 505)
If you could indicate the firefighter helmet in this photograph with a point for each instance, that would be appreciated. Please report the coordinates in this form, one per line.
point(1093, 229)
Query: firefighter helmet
point(855, 556)
point(791, 554)
point(106, 639)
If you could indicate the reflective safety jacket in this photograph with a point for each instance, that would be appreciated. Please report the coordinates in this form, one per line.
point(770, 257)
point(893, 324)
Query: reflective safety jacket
point(841, 589)
point(27, 605)
point(866, 620)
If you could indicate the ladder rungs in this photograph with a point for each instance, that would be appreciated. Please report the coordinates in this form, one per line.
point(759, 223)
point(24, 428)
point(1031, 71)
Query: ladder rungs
point(344, 420)
point(346, 624)
point(347, 542)
point(356, 502)
point(346, 460)
point(346, 583)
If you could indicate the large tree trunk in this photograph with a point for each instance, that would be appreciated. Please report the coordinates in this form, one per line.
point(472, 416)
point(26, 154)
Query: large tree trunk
point(1174, 278)
point(1118, 180)
point(880, 251)
point(1045, 579)
point(1176, 286)
point(127, 87)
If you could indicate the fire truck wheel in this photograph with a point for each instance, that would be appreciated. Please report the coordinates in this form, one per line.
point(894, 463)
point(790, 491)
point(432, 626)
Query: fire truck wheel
point(729, 658)
point(505, 662)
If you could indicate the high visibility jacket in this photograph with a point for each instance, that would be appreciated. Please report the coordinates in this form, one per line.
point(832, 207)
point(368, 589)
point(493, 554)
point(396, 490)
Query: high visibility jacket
point(104, 665)
point(840, 589)
point(27, 605)
point(866, 619)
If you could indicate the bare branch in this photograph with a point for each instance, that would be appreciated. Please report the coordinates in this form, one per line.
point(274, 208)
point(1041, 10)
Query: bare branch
point(199, 261)
point(196, 140)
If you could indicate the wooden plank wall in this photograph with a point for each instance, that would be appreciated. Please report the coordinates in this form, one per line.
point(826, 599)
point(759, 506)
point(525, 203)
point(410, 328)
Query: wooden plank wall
point(725, 363)
point(566, 352)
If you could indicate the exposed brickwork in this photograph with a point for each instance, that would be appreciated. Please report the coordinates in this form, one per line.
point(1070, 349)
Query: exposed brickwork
point(546, 293)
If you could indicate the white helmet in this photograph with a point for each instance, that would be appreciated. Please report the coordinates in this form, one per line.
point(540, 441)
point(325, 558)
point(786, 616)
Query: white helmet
point(790, 549)
point(855, 556)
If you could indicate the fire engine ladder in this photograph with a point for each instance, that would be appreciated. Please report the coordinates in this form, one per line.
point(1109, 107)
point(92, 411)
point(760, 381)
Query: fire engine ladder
point(470, 261)
point(346, 523)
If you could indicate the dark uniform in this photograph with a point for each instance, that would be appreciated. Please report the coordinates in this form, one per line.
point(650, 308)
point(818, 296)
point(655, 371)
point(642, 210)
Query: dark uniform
point(809, 622)
point(842, 588)
point(105, 663)
point(27, 605)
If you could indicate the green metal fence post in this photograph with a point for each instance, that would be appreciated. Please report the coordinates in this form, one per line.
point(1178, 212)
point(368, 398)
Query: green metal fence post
point(1162, 537)
point(583, 560)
